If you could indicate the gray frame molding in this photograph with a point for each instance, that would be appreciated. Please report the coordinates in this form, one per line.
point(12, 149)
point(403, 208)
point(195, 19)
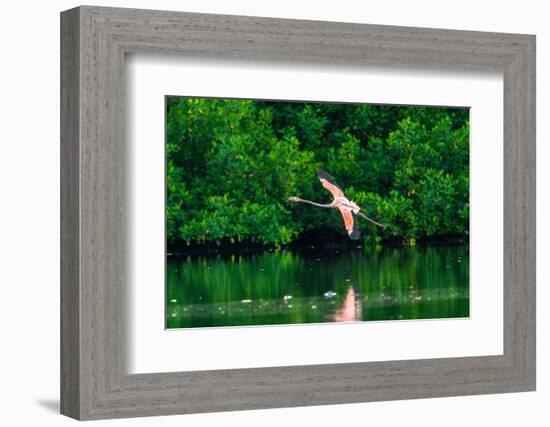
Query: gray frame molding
point(94, 41)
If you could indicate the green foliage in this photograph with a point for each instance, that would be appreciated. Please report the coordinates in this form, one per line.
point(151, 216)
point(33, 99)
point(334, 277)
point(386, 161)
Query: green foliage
point(232, 164)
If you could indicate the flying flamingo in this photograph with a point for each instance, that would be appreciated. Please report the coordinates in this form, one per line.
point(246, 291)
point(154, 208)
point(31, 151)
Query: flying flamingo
point(346, 207)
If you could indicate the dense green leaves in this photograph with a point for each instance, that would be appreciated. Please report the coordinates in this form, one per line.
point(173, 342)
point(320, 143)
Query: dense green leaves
point(232, 164)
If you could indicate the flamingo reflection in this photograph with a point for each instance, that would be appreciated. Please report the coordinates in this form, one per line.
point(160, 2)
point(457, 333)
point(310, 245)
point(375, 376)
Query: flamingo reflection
point(351, 309)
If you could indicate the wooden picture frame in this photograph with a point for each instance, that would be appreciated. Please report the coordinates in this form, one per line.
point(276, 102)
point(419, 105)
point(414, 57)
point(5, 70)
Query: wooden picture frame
point(94, 382)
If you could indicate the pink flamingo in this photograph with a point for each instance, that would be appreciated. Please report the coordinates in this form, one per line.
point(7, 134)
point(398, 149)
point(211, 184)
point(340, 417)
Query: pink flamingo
point(346, 207)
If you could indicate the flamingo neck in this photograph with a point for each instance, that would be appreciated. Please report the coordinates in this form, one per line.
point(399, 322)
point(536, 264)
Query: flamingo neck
point(320, 205)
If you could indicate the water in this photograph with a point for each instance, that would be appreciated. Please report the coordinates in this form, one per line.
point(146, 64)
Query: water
point(285, 287)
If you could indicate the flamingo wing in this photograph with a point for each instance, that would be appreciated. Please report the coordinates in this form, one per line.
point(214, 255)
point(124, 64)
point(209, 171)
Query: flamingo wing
point(329, 184)
point(349, 223)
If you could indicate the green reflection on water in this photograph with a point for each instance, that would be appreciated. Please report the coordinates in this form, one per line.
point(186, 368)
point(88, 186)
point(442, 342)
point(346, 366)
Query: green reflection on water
point(317, 286)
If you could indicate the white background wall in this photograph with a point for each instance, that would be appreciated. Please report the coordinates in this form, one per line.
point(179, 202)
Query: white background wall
point(29, 214)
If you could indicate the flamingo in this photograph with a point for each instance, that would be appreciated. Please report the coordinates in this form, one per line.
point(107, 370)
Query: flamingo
point(346, 207)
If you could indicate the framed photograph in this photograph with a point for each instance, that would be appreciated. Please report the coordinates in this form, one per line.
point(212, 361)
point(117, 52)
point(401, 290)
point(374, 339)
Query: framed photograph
point(261, 213)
